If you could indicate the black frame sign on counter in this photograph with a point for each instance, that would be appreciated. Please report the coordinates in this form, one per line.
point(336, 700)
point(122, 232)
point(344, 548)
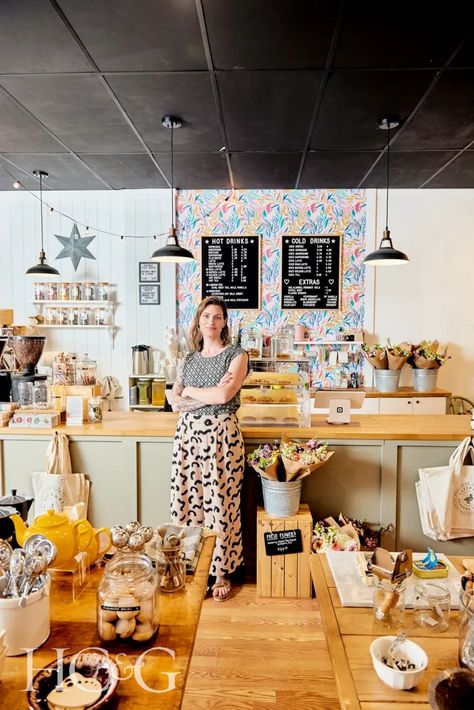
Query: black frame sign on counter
point(230, 269)
point(311, 268)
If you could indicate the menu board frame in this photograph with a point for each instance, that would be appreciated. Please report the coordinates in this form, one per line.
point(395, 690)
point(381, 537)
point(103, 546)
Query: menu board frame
point(340, 274)
point(227, 240)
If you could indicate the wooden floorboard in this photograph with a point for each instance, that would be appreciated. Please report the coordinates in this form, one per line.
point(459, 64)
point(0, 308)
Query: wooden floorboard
point(260, 654)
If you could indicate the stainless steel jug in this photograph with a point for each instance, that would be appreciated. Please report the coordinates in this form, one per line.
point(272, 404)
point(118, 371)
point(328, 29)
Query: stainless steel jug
point(140, 359)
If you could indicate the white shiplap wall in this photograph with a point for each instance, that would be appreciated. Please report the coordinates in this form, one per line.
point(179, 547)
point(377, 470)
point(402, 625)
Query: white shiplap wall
point(123, 212)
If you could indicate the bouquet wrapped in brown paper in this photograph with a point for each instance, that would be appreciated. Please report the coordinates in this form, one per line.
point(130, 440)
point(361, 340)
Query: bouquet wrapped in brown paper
point(397, 355)
point(300, 459)
point(425, 355)
point(376, 355)
point(265, 460)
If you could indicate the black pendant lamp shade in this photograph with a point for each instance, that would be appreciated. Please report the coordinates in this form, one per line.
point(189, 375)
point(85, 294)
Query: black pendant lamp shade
point(386, 254)
point(172, 252)
point(42, 268)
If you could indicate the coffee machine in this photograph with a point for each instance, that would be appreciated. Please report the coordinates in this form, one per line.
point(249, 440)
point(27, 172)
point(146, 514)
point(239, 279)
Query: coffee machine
point(27, 350)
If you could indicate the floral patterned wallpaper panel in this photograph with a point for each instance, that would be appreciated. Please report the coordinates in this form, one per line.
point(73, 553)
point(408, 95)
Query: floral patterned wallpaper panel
point(273, 213)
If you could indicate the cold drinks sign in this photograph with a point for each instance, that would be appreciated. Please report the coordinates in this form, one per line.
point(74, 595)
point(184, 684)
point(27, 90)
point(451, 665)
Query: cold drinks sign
point(311, 272)
point(230, 268)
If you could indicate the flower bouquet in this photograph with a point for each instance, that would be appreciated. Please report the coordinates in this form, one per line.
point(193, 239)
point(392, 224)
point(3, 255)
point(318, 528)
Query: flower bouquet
point(397, 355)
point(329, 535)
point(265, 460)
point(377, 355)
point(301, 459)
point(425, 356)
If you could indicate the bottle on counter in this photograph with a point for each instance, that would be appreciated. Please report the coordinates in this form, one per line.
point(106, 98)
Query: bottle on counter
point(158, 387)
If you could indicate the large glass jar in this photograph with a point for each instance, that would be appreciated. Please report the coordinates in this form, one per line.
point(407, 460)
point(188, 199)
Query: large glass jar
point(102, 291)
point(252, 341)
point(86, 371)
point(282, 344)
point(466, 629)
point(128, 599)
point(52, 291)
point(40, 293)
point(75, 291)
point(432, 605)
point(63, 370)
point(64, 291)
point(158, 387)
point(52, 316)
point(144, 391)
point(40, 394)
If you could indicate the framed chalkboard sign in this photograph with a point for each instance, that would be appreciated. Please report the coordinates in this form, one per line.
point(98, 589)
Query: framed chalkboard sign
point(311, 268)
point(283, 542)
point(230, 269)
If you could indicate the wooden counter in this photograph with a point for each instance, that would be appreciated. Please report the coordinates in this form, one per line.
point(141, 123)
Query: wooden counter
point(400, 392)
point(363, 426)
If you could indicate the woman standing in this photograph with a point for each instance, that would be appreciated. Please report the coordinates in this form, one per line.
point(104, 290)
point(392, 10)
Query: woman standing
point(208, 452)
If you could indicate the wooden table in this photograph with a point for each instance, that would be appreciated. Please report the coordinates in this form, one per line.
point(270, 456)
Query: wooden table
point(73, 627)
point(349, 632)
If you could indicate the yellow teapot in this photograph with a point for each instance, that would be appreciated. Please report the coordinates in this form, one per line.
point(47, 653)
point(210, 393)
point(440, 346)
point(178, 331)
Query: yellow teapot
point(98, 546)
point(69, 537)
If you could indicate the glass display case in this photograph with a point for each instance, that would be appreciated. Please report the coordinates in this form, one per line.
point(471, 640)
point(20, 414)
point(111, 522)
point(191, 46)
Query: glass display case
point(276, 393)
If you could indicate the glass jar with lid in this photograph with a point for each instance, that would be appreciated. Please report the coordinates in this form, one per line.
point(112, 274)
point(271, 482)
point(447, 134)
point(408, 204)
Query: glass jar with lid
point(144, 391)
point(431, 605)
point(40, 394)
point(128, 604)
point(102, 316)
point(86, 371)
point(52, 291)
point(75, 291)
point(64, 291)
point(72, 316)
point(64, 370)
point(88, 291)
point(94, 410)
point(102, 291)
point(40, 293)
point(84, 316)
point(158, 387)
point(52, 316)
point(61, 316)
point(252, 341)
point(282, 344)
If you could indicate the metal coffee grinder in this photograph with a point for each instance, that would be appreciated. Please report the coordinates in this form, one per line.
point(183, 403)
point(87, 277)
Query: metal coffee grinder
point(27, 350)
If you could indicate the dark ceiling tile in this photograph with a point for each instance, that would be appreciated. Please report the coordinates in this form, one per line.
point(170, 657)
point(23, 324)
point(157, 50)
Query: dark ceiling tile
point(77, 109)
point(408, 169)
point(138, 35)
point(465, 57)
point(265, 170)
point(33, 39)
point(149, 97)
point(196, 171)
point(9, 173)
point(406, 35)
point(66, 172)
point(445, 120)
point(268, 110)
point(459, 174)
point(353, 103)
point(126, 172)
point(256, 34)
point(328, 170)
point(20, 132)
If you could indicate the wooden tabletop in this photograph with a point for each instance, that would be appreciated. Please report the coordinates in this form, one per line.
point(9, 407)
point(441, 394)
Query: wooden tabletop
point(435, 427)
point(371, 392)
point(350, 631)
point(73, 627)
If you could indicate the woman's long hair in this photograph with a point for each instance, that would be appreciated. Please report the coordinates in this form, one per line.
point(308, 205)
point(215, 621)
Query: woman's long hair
point(196, 335)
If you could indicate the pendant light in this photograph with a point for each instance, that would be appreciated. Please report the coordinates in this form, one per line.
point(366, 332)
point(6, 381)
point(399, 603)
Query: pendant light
point(42, 268)
point(172, 251)
point(386, 254)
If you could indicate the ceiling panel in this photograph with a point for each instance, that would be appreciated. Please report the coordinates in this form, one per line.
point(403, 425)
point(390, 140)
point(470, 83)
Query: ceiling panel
point(354, 101)
point(66, 172)
point(196, 171)
point(251, 35)
point(406, 35)
point(465, 57)
point(126, 171)
point(459, 174)
point(265, 170)
point(9, 173)
point(142, 35)
point(34, 39)
point(77, 109)
point(408, 170)
point(327, 170)
point(446, 119)
point(20, 132)
point(147, 98)
point(268, 110)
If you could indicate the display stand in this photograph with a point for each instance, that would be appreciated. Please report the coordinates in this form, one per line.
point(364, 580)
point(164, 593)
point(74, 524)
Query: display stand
point(75, 574)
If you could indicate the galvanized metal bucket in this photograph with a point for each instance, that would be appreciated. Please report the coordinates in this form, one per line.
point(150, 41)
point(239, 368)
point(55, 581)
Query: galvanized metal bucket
point(424, 380)
point(281, 498)
point(387, 380)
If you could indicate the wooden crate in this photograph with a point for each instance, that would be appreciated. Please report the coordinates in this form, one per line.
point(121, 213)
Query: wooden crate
point(60, 392)
point(284, 575)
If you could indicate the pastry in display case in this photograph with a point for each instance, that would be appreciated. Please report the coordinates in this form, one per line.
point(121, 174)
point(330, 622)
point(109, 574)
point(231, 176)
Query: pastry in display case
point(276, 393)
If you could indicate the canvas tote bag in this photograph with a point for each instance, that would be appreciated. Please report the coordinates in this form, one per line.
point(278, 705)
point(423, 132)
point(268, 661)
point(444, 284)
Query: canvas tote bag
point(446, 496)
point(57, 487)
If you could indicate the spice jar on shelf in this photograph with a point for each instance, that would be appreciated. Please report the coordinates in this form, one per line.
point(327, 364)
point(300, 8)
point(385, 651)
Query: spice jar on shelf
point(85, 316)
point(64, 291)
point(72, 316)
point(52, 316)
point(52, 292)
point(40, 293)
point(102, 291)
point(75, 291)
point(128, 600)
point(86, 371)
point(88, 291)
point(102, 316)
point(61, 316)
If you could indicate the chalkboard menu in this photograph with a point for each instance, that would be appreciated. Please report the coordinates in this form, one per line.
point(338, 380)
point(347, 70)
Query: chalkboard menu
point(230, 269)
point(311, 272)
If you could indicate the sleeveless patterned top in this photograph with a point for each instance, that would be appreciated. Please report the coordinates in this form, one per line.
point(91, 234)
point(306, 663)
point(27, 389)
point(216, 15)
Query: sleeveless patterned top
point(200, 371)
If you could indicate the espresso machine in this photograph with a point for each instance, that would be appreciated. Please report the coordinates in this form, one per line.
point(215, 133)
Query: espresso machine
point(27, 350)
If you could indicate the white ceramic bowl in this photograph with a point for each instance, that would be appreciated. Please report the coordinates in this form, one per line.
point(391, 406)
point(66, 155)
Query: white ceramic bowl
point(401, 680)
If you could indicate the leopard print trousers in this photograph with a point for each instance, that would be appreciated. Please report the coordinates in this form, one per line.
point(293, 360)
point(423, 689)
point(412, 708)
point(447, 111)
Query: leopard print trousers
point(206, 477)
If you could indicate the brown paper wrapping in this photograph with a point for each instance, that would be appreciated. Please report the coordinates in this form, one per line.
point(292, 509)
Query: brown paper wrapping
point(296, 470)
point(271, 472)
point(395, 362)
point(379, 361)
point(422, 363)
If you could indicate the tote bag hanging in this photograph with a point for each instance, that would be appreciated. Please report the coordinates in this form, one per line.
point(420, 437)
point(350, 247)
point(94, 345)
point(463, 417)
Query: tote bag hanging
point(446, 496)
point(57, 487)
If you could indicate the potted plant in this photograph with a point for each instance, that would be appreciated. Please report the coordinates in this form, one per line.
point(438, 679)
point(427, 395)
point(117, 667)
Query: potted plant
point(426, 361)
point(387, 361)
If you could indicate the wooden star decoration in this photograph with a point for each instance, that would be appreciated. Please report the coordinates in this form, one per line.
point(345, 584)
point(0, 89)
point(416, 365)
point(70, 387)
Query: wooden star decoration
point(75, 247)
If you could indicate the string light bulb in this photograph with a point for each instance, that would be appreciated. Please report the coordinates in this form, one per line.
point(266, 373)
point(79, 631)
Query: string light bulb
point(16, 185)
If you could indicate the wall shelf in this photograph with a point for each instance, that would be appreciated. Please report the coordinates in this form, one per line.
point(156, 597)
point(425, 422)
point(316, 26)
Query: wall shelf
point(146, 406)
point(329, 342)
point(77, 304)
point(111, 328)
